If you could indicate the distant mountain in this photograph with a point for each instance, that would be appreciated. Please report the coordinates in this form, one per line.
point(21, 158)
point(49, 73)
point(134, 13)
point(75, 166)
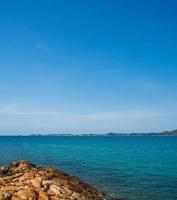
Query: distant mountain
point(164, 133)
point(174, 132)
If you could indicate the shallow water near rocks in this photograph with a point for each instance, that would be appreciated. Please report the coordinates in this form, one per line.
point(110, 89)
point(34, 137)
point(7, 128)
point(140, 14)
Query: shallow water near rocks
point(134, 168)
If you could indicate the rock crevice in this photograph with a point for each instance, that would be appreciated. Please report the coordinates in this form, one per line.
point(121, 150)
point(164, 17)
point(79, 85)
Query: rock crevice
point(25, 181)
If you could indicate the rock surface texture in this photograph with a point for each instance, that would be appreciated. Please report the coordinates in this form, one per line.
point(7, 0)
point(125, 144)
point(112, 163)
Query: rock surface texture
point(25, 181)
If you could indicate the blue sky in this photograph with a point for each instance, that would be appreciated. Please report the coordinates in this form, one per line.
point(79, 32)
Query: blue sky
point(88, 66)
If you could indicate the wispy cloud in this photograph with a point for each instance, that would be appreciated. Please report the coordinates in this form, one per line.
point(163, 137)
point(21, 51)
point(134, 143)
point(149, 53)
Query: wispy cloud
point(14, 119)
point(40, 46)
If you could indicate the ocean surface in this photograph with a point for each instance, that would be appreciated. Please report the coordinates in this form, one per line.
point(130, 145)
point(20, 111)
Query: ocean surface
point(132, 168)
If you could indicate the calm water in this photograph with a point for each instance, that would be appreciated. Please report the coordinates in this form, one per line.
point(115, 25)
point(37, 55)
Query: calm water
point(134, 168)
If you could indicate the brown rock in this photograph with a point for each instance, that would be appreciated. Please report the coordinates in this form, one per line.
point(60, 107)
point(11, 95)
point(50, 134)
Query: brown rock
point(43, 196)
point(25, 181)
point(26, 194)
point(37, 182)
point(6, 195)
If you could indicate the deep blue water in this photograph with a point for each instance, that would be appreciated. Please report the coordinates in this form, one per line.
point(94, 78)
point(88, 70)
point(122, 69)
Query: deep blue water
point(134, 168)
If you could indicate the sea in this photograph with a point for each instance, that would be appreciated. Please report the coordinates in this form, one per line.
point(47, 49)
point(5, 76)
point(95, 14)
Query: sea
point(126, 167)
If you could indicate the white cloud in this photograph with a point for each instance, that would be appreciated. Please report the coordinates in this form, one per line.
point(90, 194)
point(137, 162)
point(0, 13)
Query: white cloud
point(14, 119)
point(40, 46)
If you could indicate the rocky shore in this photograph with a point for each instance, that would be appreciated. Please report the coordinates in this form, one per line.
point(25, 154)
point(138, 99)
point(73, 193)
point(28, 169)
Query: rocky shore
point(25, 181)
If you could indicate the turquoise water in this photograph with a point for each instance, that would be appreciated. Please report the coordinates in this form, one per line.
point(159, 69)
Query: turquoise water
point(134, 168)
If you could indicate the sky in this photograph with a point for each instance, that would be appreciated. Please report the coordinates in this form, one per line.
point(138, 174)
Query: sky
point(92, 66)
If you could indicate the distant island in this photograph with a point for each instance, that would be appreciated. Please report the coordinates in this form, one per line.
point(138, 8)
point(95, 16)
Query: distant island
point(163, 133)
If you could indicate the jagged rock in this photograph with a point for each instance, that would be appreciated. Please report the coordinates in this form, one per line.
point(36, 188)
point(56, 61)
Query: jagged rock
point(25, 181)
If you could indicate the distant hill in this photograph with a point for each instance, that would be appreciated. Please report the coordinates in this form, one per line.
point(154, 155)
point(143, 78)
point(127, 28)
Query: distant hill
point(164, 133)
point(174, 132)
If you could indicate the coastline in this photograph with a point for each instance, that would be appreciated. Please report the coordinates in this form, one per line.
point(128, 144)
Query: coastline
point(24, 181)
point(121, 167)
point(109, 134)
